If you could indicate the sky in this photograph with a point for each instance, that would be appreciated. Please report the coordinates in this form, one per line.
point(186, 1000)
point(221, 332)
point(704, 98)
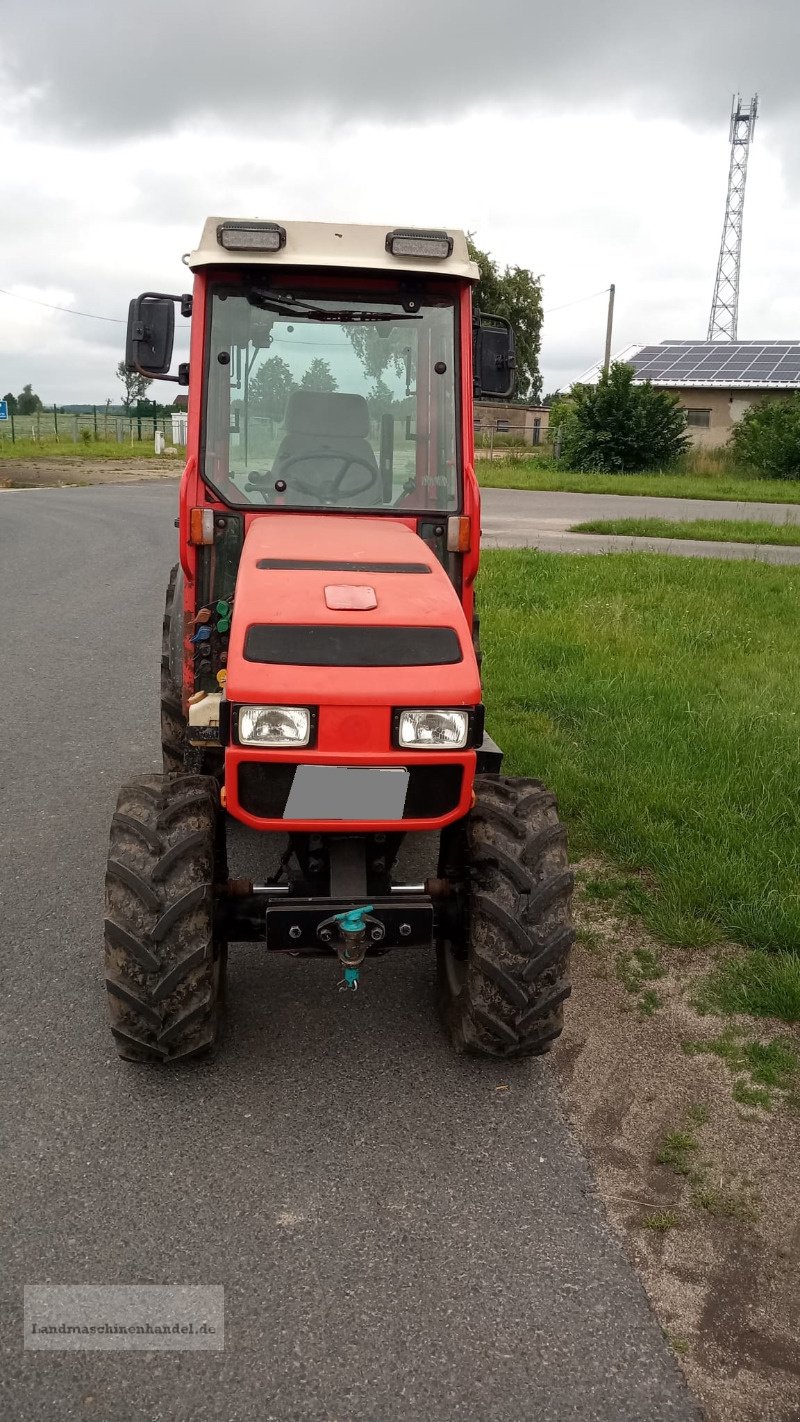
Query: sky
point(586, 141)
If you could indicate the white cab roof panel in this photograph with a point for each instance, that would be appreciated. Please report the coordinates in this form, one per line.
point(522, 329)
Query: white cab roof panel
point(336, 245)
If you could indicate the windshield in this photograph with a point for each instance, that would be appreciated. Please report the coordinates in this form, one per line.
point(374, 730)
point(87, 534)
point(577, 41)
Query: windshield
point(331, 402)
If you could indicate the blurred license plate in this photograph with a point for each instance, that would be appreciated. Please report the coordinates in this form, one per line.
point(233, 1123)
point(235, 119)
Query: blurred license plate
point(347, 792)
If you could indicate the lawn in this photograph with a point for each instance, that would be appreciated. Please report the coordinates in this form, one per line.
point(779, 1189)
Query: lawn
point(717, 484)
point(720, 530)
point(660, 697)
point(75, 449)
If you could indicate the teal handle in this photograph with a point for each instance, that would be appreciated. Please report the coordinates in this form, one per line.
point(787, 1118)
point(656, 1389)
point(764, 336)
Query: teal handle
point(353, 920)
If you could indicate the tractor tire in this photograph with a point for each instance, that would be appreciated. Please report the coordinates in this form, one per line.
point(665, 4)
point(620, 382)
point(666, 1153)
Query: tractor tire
point(165, 969)
point(503, 984)
point(173, 721)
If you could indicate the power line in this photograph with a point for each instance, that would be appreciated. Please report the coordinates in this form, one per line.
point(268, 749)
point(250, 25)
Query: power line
point(576, 302)
point(70, 311)
point(118, 320)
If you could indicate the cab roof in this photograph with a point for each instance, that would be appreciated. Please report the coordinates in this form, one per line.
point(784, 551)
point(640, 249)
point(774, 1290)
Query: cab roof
point(347, 246)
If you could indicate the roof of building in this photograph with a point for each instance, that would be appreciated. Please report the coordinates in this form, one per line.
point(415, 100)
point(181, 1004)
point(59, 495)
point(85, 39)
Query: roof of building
point(770, 365)
point(333, 244)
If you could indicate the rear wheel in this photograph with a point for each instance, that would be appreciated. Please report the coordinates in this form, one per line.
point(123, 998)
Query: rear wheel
point(502, 974)
point(165, 968)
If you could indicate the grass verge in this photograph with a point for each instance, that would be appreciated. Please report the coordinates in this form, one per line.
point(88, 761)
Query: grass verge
point(656, 696)
point(78, 449)
point(717, 530)
point(756, 984)
point(534, 474)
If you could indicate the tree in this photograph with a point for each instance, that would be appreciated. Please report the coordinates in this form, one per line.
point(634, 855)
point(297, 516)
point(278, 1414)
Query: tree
point(618, 426)
point(136, 385)
point(271, 387)
point(380, 399)
point(319, 376)
point(516, 294)
point(11, 403)
point(768, 437)
point(28, 402)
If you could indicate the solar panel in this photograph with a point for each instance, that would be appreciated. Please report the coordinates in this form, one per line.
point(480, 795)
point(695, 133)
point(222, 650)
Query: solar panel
point(718, 363)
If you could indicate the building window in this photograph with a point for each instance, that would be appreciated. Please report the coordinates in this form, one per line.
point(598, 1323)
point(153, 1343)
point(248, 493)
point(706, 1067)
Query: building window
point(702, 418)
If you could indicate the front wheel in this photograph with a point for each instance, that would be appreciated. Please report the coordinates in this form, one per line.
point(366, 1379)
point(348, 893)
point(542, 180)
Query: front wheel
point(165, 966)
point(503, 968)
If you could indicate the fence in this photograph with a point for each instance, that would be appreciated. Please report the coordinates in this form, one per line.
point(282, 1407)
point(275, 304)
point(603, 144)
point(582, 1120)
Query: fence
point(97, 424)
point(499, 439)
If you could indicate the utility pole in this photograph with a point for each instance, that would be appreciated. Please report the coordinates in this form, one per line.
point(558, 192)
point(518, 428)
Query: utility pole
point(724, 320)
point(609, 328)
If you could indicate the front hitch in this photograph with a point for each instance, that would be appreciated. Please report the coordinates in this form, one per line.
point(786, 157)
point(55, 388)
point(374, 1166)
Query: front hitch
point(352, 945)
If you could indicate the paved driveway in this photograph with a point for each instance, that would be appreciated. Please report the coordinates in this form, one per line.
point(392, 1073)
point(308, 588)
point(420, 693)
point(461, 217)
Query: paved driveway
point(397, 1237)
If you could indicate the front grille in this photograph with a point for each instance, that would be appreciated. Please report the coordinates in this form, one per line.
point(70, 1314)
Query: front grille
point(337, 646)
point(264, 786)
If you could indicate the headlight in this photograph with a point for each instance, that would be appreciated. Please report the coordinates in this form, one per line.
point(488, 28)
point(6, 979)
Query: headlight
point(274, 725)
point(433, 730)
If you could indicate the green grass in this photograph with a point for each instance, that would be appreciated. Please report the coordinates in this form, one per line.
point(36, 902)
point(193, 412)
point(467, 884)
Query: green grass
point(725, 1204)
point(746, 1095)
point(718, 530)
point(760, 1067)
point(68, 449)
point(758, 984)
point(662, 1221)
point(678, 1150)
point(537, 474)
point(660, 697)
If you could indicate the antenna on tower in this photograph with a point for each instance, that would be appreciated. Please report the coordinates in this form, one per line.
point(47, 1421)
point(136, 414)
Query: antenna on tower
point(724, 320)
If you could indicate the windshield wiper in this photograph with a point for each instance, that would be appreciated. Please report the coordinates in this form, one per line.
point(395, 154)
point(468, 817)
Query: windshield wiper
point(283, 304)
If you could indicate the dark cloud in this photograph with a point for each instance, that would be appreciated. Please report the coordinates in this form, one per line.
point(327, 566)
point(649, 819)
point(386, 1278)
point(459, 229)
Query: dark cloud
point(98, 71)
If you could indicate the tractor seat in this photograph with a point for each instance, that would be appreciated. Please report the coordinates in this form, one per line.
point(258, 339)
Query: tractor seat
point(327, 430)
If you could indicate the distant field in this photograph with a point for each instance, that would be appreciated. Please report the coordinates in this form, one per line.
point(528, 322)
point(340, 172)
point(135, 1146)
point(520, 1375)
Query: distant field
point(719, 530)
point(534, 474)
point(658, 697)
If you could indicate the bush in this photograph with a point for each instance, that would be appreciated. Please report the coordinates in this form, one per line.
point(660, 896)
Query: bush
point(768, 438)
point(616, 426)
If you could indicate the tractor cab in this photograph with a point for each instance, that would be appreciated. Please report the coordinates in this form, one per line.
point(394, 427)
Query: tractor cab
point(320, 660)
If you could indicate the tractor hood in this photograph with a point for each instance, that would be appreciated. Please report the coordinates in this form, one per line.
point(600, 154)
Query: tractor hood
point(346, 610)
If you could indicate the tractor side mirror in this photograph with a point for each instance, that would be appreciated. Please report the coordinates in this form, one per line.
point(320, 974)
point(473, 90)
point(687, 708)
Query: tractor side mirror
point(493, 357)
point(151, 335)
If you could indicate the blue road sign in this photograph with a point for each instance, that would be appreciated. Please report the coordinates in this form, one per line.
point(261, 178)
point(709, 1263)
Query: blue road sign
point(3, 409)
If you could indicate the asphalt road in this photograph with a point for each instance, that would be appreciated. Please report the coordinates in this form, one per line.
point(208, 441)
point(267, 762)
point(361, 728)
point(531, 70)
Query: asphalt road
point(397, 1239)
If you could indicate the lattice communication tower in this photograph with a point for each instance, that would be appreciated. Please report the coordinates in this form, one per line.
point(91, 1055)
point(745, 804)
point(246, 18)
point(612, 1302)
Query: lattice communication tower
point(724, 320)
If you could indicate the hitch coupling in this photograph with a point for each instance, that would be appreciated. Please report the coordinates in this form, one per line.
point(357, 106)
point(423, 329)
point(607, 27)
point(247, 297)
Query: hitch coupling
point(352, 945)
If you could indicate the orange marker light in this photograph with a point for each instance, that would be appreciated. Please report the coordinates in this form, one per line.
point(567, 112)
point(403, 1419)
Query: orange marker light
point(201, 526)
point(459, 534)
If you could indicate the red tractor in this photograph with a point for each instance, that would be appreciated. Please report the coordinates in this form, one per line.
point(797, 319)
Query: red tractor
point(320, 661)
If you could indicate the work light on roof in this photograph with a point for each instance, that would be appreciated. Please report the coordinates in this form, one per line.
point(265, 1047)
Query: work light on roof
point(406, 242)
point(251, 236)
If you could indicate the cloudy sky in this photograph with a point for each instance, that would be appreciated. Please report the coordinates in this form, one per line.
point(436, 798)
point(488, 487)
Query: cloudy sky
point(585, 140)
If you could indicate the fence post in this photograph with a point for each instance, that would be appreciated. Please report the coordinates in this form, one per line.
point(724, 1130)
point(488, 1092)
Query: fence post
point(491, 442)
point(38, 425)
point(13, 436)
point(55, 422)
point(75, 430)
point(94, 412)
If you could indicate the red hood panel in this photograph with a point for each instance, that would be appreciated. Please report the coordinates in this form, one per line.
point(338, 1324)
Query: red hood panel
point(297, 595)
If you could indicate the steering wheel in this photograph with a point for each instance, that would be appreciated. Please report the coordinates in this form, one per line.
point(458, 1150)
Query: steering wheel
point(335, 486)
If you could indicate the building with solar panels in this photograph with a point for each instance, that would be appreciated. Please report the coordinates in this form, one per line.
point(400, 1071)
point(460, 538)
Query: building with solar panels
point(716, 381)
